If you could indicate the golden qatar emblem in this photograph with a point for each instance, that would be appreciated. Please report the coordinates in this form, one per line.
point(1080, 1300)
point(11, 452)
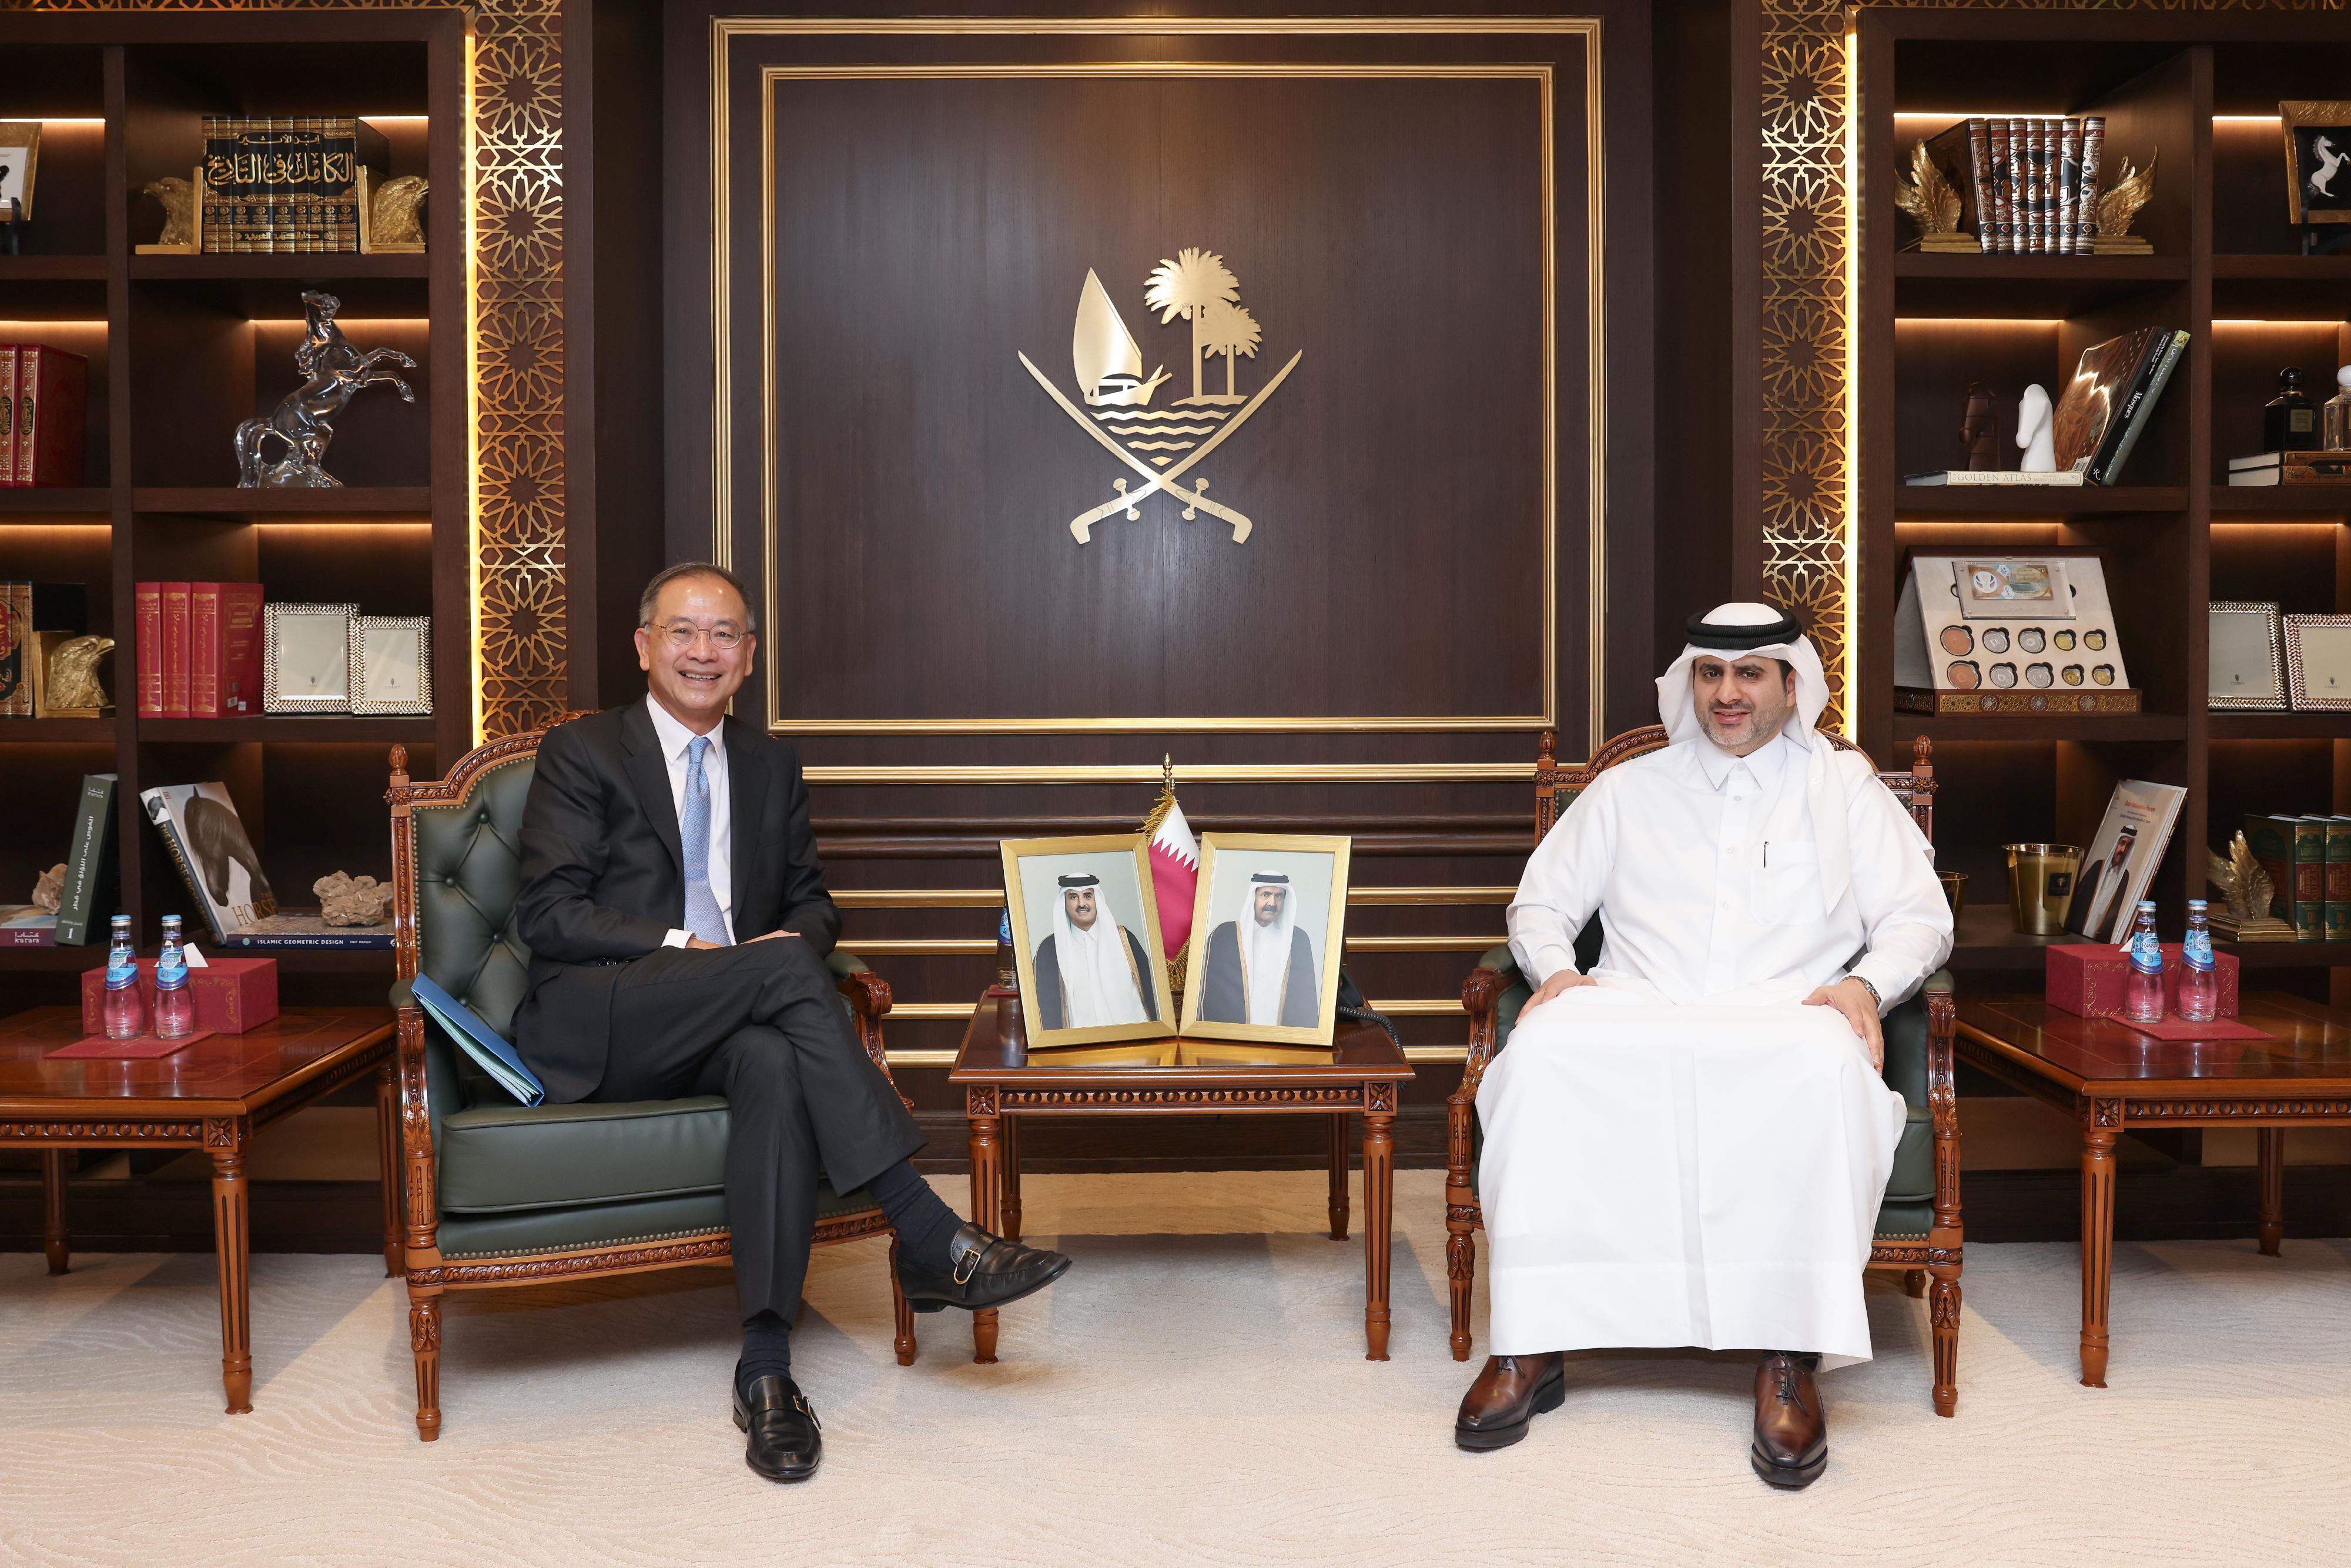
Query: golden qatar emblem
point(1162, 444)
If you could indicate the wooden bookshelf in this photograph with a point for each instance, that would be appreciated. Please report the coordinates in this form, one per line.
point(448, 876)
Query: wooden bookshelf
point(2225, 267)
point(182, 348)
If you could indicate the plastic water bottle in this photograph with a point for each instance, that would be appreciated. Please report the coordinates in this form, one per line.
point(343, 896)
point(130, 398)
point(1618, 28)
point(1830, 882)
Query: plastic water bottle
point(176, 1005)
point(2143, 996)
point(2199, 984)
point(125, 1014)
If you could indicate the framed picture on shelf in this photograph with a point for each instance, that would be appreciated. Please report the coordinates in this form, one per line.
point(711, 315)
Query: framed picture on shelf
point(2318, 660)
point(1085, 938)
point(306, 658)
point(391, 663)
point(2317, 159)
point(20, 155)
point(1268, 923)
point(2247, 649)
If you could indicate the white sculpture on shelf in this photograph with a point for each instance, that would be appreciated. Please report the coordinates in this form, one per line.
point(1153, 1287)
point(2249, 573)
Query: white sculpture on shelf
point(2036, 432)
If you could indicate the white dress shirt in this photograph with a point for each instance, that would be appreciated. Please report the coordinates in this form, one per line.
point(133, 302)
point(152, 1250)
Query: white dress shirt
point(1697, 898)
point(676, 742)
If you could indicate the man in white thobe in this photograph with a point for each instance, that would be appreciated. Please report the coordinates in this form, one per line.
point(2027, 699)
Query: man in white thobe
point(1688, 1145)
point(1260, 968)
point(1090, 971)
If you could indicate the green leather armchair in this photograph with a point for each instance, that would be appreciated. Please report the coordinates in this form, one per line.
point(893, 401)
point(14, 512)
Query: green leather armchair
point(1919, 1230)
point(494, 1193)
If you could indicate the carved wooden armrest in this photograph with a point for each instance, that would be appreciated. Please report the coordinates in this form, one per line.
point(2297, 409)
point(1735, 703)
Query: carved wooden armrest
point(1482, 997)
point(1942, 1095)
point(869, 999)
point(419, 1176)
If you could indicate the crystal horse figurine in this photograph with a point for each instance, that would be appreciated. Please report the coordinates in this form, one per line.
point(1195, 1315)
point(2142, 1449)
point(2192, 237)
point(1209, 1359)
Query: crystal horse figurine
point(334, 372)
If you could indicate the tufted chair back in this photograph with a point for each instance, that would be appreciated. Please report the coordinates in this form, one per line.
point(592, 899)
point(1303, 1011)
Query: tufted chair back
point(456, 873)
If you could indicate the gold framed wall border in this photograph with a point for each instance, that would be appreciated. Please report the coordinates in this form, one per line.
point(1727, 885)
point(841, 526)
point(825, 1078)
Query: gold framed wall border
point(1810, 301)
point(726, 29)
point(513, 223)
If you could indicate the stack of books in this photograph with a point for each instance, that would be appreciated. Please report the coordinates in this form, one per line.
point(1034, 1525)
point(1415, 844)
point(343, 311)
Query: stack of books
point(44, 410)
point(2266, 468)
point(286, 182)
point(2028, 184)
point(2309, 862)
point(199, 649)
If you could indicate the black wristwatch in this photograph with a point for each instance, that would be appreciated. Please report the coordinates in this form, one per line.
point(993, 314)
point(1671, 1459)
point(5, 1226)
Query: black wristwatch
point(1876, 1000)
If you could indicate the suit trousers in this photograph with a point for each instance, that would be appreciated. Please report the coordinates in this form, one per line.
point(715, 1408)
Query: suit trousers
point(762, 1025)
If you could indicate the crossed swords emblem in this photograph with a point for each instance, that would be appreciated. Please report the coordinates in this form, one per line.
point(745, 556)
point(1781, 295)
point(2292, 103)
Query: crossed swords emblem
point(1195, 499)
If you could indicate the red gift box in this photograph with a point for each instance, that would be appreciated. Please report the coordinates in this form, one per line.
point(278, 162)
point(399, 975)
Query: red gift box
point(233, 995)
point(2088, 979)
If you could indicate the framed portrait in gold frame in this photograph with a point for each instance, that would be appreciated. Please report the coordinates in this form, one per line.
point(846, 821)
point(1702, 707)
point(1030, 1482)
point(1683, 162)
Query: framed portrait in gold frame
point(1085, 937)
point(20, 158)
point(1269, 925)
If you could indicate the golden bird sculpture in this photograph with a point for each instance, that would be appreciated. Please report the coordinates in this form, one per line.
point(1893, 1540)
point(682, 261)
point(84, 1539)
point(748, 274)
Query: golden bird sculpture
point(2249, 892)
point(73, 680)
point(179, 200)
point(393, 223)
point(1933, 204)
point(2120, 203)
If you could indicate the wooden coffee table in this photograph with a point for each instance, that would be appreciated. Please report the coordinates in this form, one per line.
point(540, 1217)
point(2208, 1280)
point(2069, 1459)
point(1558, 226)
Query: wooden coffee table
point(1003, 1083)
point(2110, 1078)
point(215, 1095)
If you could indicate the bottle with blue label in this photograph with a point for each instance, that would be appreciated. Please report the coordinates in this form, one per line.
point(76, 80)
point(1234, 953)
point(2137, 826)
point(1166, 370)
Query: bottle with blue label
point(2143, 992)
point(125, 1014)
point(176, 1005)
point(2199, 984)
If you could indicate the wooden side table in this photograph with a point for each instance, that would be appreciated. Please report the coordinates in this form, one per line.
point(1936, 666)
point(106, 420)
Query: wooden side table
point(215, 1096)
point(1003, 1083)
point(2110, 1078)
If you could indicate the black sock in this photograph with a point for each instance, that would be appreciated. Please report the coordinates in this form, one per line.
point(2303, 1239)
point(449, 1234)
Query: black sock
point(924, 1222)
point(767, 1350)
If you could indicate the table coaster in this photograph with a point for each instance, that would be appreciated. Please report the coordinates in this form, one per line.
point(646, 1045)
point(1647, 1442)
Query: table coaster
point(145, 1048)
point(2177, 1029)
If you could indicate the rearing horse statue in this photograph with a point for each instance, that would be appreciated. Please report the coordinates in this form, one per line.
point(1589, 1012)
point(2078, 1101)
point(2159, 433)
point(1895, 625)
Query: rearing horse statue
point(334, 373)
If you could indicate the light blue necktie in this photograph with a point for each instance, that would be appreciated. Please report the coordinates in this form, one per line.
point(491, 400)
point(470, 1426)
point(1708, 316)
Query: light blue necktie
point(702, 916)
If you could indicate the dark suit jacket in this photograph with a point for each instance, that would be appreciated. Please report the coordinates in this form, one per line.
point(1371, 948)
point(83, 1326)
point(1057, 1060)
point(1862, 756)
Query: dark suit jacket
point(603, 876)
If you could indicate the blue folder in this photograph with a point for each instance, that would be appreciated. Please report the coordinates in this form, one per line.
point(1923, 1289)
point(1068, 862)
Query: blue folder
point(480, 1042)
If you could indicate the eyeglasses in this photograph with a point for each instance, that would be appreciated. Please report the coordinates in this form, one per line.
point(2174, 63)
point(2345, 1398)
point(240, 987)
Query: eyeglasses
point(685, 634)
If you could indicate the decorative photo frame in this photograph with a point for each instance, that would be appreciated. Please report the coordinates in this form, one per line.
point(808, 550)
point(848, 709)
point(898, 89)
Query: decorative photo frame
point(20, 159)
point(2318, 662)
point(391, 663)
point(2246, 650)
point(1252, 887)
point(1066, 895)
point(305, 657)
point(2317, 159)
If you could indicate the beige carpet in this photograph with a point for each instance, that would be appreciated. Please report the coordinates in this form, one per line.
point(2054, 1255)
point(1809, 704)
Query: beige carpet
point(1193, 1393)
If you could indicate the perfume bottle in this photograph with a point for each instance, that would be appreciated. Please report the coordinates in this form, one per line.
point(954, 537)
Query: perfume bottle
point(2289, 421)
point(2334, 418)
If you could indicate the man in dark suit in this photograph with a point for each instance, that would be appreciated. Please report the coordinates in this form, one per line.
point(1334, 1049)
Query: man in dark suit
point(678, 924)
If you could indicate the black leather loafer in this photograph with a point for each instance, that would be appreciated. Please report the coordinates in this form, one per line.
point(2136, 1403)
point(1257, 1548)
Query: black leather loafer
point(984, 1270)
point(786, 1441)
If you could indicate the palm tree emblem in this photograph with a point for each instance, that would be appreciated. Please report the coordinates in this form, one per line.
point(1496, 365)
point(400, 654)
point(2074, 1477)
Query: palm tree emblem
point(1192, 285)
point(1163, 445)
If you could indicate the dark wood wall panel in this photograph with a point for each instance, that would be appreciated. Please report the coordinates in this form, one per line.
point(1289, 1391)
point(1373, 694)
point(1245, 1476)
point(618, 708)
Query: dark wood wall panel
point(1389, 231)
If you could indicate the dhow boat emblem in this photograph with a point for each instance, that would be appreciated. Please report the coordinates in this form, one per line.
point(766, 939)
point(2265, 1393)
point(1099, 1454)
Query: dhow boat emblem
point(1163, 445)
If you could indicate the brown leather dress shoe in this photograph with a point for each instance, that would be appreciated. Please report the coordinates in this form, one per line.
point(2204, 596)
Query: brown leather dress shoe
point(1511, 1392)
point(1792, 1425)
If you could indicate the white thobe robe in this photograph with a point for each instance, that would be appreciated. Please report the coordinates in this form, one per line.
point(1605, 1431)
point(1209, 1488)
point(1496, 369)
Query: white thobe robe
point(1684, 1154)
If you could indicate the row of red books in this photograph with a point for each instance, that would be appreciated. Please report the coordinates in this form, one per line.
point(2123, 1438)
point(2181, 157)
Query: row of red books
point(199, 649)
point(43, 410)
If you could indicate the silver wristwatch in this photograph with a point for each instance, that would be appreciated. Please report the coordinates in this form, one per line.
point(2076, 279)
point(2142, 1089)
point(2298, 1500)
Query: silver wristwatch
point(1876, 1000)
